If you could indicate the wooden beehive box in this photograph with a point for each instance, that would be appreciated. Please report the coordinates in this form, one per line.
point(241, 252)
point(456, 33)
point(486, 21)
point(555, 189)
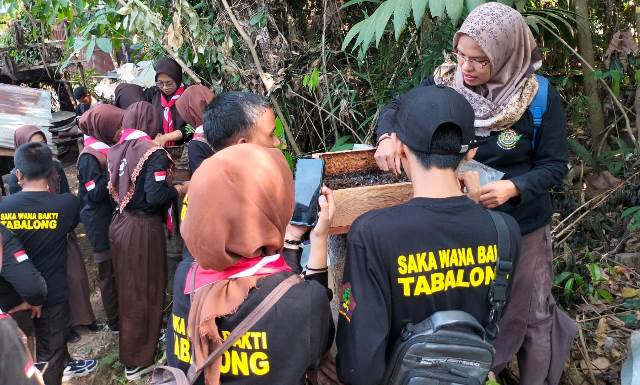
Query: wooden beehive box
point(351, 202)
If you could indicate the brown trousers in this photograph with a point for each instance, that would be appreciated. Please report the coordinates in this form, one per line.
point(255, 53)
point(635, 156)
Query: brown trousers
point(108, 293)
point(139, 258)
point(78, 282)
point(533, 328)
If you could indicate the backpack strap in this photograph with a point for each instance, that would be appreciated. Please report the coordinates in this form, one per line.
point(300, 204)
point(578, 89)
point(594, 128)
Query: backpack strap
point(504, 267)
point(538, 106)
point(256, 314)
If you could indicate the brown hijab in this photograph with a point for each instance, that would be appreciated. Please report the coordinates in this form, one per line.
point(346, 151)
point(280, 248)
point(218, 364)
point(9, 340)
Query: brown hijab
point(126, 94)
point(504, 36)
point(249, 221)
point(102, 122)
point(126, 159)
point(171, 68)
point(22, 135)
point(192, 103)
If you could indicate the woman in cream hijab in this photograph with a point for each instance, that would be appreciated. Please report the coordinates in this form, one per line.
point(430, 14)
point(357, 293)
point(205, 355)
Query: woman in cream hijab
point(496, 59)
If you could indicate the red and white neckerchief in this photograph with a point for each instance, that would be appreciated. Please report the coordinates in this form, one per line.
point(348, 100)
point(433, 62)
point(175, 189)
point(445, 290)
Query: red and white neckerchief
point(133, 134)
point(167, 117)
point(198, 134)
point(90, 141)
point(101, 147)
point(245, 267)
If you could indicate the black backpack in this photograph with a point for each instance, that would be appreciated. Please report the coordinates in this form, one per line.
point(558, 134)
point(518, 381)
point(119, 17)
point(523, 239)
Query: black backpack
point(452, 347)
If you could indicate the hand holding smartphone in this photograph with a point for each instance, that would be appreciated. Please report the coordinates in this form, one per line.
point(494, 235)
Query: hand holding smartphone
point(308, 184)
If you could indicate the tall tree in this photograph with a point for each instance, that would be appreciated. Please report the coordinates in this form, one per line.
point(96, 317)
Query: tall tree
point(585, 47)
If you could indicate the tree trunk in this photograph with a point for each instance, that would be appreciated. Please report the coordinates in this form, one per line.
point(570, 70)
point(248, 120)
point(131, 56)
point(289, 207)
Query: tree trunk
point(585, 47)
point(637, 101)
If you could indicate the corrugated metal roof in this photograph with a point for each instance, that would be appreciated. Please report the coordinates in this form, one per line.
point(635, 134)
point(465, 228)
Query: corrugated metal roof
point(20, 106)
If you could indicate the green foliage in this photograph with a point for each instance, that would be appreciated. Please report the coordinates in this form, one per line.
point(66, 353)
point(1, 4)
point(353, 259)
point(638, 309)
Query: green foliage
point(634, 213)
point(311, 81)
point(342, 144)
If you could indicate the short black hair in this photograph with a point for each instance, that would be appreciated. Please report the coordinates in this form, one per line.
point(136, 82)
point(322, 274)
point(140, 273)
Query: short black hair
point(231, 115)
point(79, 92)
point(446, 138)
point(34, 160)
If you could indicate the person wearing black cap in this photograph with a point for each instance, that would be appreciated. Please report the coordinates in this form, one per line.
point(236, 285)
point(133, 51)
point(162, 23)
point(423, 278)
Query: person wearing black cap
point(522, 117)
point(163, 96)
point(435, 252)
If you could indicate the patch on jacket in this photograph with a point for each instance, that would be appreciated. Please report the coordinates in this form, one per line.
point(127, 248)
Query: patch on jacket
point(347, 301)
point(508, 139)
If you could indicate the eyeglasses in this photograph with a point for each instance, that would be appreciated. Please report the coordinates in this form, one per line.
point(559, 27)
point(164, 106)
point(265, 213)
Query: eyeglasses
point(168, 84)
point(477, 63)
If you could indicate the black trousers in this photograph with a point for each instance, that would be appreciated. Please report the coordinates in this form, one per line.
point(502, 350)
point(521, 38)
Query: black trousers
point(107, 284)
point(51, 341)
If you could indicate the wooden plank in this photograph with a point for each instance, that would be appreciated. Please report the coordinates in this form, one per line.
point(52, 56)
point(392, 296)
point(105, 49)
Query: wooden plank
point(341, 162)
point(353, 202)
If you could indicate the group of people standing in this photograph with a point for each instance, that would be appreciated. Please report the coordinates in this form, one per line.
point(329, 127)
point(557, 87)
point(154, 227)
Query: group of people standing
point(239, 246)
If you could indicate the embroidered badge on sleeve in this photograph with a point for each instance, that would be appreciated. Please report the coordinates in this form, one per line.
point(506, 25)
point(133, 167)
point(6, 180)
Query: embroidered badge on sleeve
point(347, 301)
point(90, 185)
point(160, 176)
point(21, 256)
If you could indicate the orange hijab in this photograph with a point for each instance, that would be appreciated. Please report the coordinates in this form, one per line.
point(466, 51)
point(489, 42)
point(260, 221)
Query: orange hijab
point(240, 201)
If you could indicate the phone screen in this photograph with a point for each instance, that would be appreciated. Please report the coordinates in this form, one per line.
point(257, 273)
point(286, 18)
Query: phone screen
point(308, 182)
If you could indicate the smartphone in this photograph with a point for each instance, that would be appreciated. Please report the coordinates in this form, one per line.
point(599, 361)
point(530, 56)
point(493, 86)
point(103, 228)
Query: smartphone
point(308, 184)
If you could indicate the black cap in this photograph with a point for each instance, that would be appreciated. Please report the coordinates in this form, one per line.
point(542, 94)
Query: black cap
point(79, 92)
point(423, 109)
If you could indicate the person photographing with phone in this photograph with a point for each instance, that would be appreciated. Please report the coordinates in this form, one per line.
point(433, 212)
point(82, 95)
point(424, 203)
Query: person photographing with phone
point(237, 242)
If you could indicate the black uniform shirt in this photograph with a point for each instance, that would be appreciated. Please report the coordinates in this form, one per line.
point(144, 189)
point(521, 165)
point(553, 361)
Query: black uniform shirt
point(533, 170)
point(405, 263)
point(41, 221)
point(178, 346)
point(97, 206)
point(198, 151)
point(153, 194)
point(19, 279)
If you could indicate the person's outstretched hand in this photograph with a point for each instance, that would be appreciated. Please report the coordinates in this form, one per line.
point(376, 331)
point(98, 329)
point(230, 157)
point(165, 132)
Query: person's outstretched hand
point(325, 215)
point(35, 310)
point(387, 155)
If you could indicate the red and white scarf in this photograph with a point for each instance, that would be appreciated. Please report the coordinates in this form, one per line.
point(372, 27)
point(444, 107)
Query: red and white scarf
point(167, 117)
point(133, 134)
point(101, 147)
point(245, 267)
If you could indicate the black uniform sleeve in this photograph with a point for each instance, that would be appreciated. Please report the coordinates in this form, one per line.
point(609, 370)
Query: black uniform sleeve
point(14, 187)
point(64, 183)
point(322, 326)
point(364, 319)
point(292, 257)
point(18, 270)
point(388, 114)
point(16, 364)
point(89, 170)
point(198, 152)
point(550, 155)
point(158, 193)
